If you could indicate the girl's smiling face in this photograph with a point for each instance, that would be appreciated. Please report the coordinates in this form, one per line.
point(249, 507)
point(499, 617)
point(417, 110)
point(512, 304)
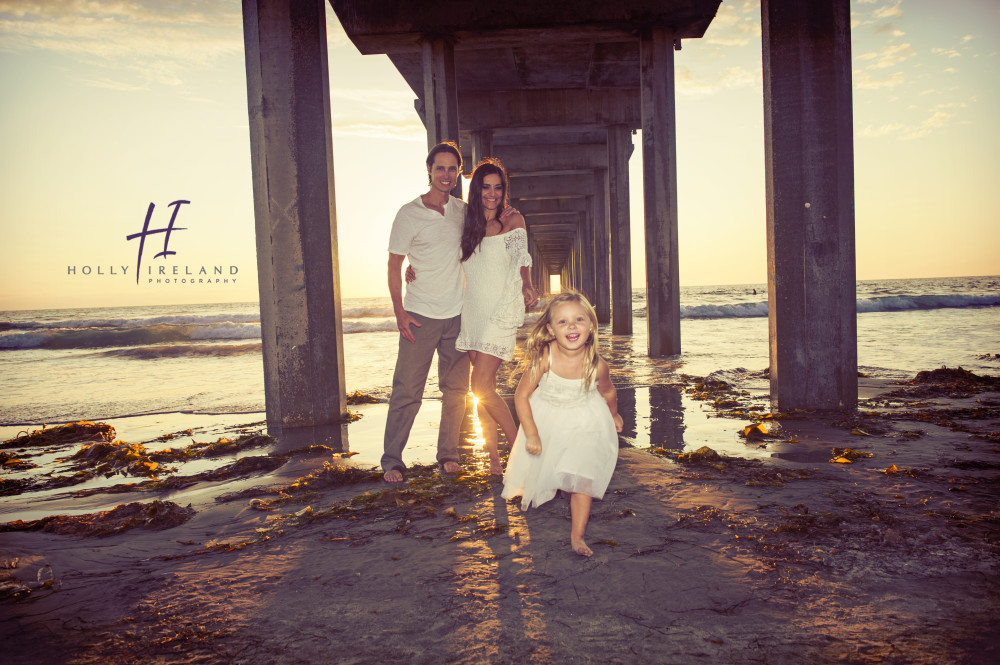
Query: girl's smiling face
point(570, 324)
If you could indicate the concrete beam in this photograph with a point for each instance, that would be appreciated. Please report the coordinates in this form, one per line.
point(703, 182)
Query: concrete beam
point(581, 107)
point(295, 217)
point(544, 136)
point(551, 186)
point(382, 26)
point(809, 170)
point(553, 218)
point(550, 206)
point(531, 159)
point(659, 181)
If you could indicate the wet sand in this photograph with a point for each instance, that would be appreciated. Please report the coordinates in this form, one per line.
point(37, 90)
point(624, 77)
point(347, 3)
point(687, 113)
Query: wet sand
point(773, 555)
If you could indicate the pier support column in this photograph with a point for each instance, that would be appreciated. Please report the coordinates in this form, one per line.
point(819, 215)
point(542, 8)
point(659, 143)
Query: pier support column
point(482, 146)
point(598, 212)
point(659, 182)
point(291, 157)
point(619, 150)
point(588, 259)
point(809, 152)
point(440, 94)
point(543, 278)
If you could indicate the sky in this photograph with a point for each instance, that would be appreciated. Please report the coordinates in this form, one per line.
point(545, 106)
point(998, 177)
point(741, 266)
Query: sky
point(108, 107)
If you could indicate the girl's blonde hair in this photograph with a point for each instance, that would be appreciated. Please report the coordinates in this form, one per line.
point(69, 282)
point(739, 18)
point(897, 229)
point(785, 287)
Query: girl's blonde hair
point(539, 337)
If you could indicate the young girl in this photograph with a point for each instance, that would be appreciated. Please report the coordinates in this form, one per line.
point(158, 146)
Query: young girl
point(569, 415)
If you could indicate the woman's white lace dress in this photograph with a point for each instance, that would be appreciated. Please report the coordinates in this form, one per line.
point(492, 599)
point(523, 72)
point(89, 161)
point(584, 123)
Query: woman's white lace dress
point(493, 306)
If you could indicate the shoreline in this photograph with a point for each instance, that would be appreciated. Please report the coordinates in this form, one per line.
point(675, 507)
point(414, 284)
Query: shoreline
point(777, 554)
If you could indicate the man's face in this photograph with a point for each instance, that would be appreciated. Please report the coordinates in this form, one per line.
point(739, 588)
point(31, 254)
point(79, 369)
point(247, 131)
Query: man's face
point(444, 172)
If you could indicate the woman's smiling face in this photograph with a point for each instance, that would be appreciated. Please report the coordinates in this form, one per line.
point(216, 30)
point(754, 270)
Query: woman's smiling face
point(492, 192)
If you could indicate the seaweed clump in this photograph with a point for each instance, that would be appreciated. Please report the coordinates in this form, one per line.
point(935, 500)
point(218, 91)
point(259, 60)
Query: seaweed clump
point(947, 382)
point(156, 515)
point(78, 432)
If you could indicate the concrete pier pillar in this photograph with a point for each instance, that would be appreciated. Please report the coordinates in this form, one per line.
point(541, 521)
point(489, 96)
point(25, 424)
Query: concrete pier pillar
point(809, 153)
point(295, 215)
point(598, 212)
point(659, 181)
point(588, 258)
point(619, 150)
point(482, 146)
point(440, 94)
point(537, 267)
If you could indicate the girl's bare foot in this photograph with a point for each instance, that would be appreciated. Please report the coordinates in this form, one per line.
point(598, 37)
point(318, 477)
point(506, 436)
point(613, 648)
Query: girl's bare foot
point(580, 547)
point(495, 467)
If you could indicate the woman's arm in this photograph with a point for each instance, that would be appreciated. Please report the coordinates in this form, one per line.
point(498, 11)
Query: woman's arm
point(608, 392)
point(515, 220)
point(525, 387)
point(527, 290)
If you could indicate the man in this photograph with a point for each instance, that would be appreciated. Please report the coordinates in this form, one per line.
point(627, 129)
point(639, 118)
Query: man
point(427, 231)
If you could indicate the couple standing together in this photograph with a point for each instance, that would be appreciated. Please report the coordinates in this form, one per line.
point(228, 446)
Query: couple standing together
point(468, 315)
point(565, 399)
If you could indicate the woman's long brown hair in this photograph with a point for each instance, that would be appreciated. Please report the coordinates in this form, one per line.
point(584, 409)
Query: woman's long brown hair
point(475, 217)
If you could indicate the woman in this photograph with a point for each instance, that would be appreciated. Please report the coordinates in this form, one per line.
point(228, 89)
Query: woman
point(497, 290)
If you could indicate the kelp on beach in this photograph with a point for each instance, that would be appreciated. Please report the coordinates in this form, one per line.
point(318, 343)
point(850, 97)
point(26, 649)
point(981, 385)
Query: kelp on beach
point(102, 455)
point(154, 515)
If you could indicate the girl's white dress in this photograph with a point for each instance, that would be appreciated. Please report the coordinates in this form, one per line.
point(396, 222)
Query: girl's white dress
point(493, 306)
point(579, 444)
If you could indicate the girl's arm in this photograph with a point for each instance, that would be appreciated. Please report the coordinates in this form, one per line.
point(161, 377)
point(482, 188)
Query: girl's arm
point(608, 392)
point(525, 387)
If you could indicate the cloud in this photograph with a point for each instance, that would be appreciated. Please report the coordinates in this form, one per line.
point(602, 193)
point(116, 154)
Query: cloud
point(407, 131)
point(889, 11)
point(889, 29)
point(734, 26)
point(875, 132)
point(890, 56)
point(374, 113)
point(863, 80)
point(937, 120)
point(947, 52)
point(114, 85)
point(903, 132)
point(366, 102)
point(729, 79)
point(153, 42)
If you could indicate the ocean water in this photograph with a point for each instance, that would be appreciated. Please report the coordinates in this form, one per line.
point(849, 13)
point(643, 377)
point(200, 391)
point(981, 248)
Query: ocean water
point(107, 363)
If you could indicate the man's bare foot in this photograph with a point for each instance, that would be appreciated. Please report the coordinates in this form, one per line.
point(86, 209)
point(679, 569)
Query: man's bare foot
point(452, 467)
point(393, 476)
point(580, 547)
